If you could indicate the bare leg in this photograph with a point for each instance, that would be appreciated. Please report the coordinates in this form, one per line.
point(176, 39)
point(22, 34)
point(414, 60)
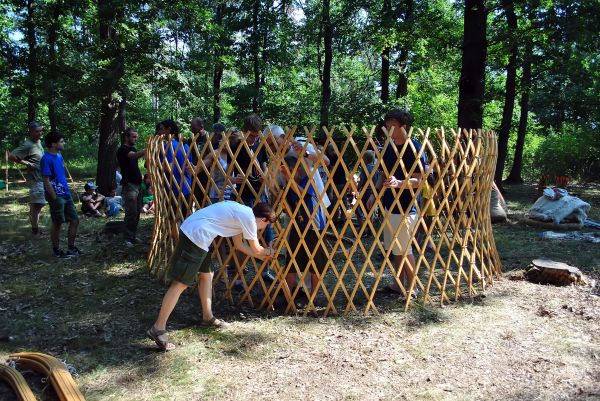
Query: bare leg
point(73, 225)
point(168, 304)
point(205, 294)
point(34, 215)
point(405, 268)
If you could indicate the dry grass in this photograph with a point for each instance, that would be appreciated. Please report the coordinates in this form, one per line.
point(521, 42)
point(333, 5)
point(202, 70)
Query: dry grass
point(519, 341)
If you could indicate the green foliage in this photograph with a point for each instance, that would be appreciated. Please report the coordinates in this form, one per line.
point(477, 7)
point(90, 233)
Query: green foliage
point(573, 151)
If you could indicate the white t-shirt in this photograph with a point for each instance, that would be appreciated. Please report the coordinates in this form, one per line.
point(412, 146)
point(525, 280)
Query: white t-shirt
point(225, 219)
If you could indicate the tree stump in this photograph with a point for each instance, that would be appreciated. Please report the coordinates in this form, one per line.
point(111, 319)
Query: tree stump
point(545, 271)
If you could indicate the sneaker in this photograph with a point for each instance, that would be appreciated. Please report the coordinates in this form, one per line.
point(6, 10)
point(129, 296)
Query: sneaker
point(59, 253)
point(74, 252)
point(268, 277)
point(129, 242)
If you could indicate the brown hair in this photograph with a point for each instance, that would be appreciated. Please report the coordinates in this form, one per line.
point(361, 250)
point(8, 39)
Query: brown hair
point(252, 123)
point(265, 211)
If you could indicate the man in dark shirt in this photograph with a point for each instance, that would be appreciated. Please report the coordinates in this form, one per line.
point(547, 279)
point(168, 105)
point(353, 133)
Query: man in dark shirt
point(398, 201)
point(127, 157)
point(250, 174)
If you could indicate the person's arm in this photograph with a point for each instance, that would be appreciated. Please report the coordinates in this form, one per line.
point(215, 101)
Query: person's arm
point(253, 249)
point(378, 186)
point(136, 155)
point(48, 187)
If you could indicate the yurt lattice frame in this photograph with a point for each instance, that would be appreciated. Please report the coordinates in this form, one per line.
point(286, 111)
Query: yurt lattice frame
point(463, 259)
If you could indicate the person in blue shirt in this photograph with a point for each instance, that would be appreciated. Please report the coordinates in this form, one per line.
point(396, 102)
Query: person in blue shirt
point(177, 155)
point(56, 188)
point(307, 222)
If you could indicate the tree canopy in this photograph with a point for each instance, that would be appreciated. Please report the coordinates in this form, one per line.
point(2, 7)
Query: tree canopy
point(88, 68)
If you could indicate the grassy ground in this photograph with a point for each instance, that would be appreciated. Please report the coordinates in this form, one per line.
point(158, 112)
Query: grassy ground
point(517, 341)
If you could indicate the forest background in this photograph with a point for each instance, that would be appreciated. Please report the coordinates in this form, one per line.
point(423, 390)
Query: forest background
point(527, 69)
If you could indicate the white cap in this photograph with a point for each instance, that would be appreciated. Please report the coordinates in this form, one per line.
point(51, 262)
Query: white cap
point(276, 131)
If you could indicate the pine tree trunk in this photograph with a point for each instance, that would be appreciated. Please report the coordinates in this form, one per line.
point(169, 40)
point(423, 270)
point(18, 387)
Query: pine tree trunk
point(32, 62)
point(385, 54)
point(218, 71)
point(53, 65)
point(472, 73)
point(112, 117)
point(515, 176)
point(510, 92)
point(112, 123)
point(326, 76)
point(402, 87)
point(255, 56)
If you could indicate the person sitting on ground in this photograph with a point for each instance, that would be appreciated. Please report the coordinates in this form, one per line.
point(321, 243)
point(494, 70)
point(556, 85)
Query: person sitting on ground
point(147, 195)
point(91, 201)
point(114, 203)
point(303, 238)
point(191, 260)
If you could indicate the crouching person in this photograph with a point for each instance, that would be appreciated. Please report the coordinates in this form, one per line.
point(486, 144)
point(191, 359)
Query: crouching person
point(191, 259)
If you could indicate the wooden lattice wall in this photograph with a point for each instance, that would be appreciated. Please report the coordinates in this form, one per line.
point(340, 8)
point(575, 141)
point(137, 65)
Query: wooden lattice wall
point(463, 259)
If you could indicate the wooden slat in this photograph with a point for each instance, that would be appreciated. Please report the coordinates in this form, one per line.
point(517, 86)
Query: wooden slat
point(464, 259)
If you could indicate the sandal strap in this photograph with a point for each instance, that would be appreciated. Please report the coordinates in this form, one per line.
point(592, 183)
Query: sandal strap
point(157, 333)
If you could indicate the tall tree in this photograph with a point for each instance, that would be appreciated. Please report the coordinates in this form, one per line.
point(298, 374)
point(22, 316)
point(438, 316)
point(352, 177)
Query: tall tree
point(52, 73)
point(218, 61)
point(402, 84)
point(472, 73)
point(255, 49)
point(515, 176)
point(327, 30)
point(510, 90)
point(113, 100)
point(32, 61)
point(385, 54)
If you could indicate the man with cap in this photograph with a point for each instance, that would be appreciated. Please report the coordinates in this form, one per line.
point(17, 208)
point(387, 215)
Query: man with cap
point(29, 154)
point(91, 201)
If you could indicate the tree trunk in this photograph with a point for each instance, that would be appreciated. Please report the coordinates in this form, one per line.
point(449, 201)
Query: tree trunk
point(53, 65)
point(218, 71)
point(112, 123)
point(32, 62)
point(472, 73)
point(515, 172)
point(402, 87)
point(385, 54)
point(112, 117)
point(326, 78)
point(510, 93)
point(255, 56)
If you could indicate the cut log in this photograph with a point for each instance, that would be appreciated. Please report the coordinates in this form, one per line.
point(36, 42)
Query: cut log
point(545, 271)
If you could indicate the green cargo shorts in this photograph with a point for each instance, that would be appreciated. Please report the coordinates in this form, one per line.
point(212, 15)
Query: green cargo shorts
point(62, 210)
point(187, 261)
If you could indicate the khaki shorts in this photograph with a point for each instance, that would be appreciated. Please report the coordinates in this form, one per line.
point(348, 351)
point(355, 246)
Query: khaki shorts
point(401, 227)
point(36, 192)
point(187, 261)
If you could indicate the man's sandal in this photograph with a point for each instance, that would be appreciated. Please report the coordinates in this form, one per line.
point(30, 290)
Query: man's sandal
point(154, 335)
point(215, 323)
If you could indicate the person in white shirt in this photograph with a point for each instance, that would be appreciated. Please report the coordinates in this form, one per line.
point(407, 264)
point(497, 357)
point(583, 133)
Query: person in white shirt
point(191, 259)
